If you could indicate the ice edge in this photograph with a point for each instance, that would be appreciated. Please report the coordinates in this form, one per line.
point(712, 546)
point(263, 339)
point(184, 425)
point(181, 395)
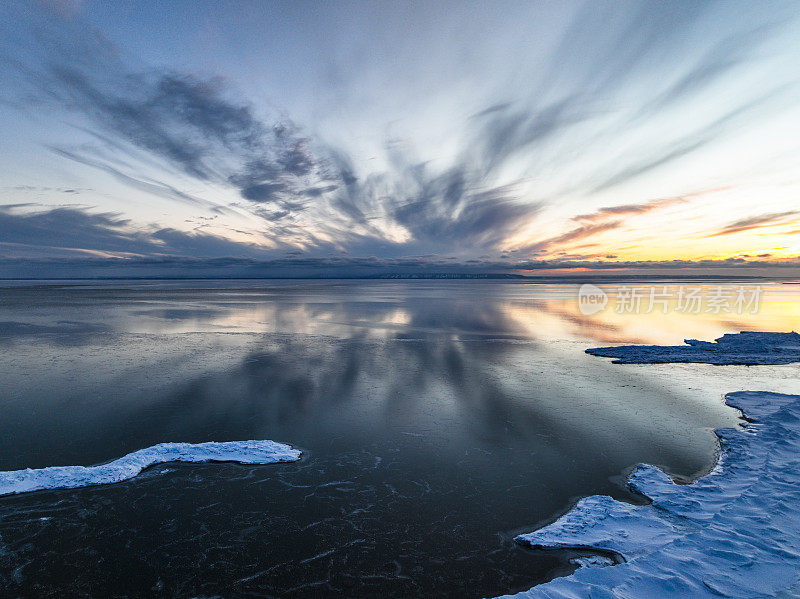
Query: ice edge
point(746, 348)
point(130, 465)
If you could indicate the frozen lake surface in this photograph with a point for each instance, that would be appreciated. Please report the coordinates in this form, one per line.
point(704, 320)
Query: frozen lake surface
point(438, 420)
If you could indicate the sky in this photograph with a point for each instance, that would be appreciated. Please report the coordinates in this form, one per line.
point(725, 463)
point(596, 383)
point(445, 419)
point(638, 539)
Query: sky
point(200, 138)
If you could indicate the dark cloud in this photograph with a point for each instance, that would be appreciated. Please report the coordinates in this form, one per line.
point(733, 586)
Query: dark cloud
point(315, 192)
point(450, 208)
point(190, 123)
point(193, 124)
point(165, 118)
point(174, 242)
point(66, 228)
point(60, 232)
point(297, 160)
point(263, 192)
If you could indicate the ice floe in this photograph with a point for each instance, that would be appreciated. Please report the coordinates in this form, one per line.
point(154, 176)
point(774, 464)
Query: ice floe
point(128, 466)
point(733, 533)
point(746, 348)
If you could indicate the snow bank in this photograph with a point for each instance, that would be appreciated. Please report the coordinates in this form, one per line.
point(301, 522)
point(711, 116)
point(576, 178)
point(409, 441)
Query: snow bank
point(732, 533)
point(68, 477)
point(747, 348)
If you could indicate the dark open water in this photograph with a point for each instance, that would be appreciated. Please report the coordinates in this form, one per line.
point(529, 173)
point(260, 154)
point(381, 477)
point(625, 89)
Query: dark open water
point(439, 418)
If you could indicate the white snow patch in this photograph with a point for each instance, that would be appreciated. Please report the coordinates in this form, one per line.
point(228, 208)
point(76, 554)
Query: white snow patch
point(745, 348)
point(593, 561)
point(128, 466)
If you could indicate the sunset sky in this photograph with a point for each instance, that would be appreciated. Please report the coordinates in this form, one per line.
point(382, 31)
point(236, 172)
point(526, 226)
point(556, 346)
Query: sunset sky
point(313, 138)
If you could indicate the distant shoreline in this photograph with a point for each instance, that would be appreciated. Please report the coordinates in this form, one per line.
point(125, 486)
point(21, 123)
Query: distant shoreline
point(439, 277)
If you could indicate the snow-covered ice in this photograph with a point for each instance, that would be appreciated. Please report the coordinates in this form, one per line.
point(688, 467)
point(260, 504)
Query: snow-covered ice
point(745, 348)
point(732, 533)
point(128, 466)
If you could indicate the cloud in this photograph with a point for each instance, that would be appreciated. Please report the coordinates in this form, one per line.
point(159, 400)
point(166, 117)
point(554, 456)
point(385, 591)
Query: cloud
point(77, 242)
point(579, 233)
point(606, 219)
point(306, 194)
point(449, 208)
point(63, 231)
point(39, 189)
point(643, 207)
point(66, 228)
point(630, 209)
point(157, 188)
point(190, 123)
point(505, 133)
point(717, 61)
point(495, 108)
point(196, 126)
point(757, 222)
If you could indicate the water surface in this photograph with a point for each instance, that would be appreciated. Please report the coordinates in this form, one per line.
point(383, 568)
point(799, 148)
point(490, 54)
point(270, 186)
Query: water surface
point(439, 418)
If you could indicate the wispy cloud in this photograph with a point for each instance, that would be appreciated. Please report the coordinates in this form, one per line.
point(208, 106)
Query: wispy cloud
point(606, 219)
point(312, 196)
point(578, 234)
point(157, 188)
point(189, 123)
point(629, 209)
point(757, 222)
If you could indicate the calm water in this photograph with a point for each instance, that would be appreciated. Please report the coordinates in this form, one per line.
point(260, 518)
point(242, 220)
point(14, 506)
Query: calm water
point(439, 418)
